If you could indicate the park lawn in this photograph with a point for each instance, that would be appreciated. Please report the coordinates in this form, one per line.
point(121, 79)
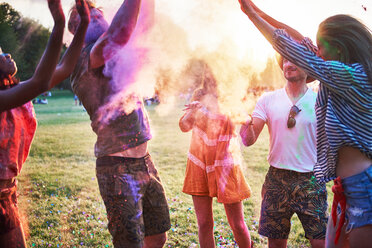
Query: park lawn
point(59, 196)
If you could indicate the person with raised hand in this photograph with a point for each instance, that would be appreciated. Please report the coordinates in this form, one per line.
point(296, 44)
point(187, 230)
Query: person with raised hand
point(129, 183)
point(71, 56)
point(18, 124)
point(214, 164)
point(343, 65)
point(25, 91)
point(17, 118)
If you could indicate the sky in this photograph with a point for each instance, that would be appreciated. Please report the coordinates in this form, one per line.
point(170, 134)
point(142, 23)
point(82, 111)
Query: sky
point(212, 24)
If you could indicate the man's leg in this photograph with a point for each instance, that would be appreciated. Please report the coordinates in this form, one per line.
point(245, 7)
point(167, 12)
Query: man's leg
point(277, 243)
point(317, 243)
point(155, 241)
point(121, 188)
point(275, 219)
point(310, 204)
point(235, 216)
point(155, 209)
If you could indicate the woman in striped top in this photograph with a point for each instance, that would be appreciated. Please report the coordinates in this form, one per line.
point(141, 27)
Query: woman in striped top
point(213, 164)
point(343, 65)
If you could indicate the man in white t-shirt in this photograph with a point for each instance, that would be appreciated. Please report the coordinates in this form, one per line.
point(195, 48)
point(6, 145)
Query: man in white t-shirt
point(290, 186)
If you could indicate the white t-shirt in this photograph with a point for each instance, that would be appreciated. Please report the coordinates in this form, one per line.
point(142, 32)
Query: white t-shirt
point(290, 148)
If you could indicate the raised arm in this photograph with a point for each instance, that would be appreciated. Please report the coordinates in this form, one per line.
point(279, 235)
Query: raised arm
point(279, 25)
point(39, 82)
point(262, 25)
point(118, 33)
point(71, 56)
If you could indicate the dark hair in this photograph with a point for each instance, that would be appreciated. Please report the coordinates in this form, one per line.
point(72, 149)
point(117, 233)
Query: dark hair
point(7, 81)
point(351, 37)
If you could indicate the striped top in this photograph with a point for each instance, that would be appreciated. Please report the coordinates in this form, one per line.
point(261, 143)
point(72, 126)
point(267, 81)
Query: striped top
point(343, 106)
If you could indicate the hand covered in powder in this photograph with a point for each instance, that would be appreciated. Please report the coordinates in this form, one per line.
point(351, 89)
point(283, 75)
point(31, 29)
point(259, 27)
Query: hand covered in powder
point(55, 8)
point(193, 106)
point(83, 10)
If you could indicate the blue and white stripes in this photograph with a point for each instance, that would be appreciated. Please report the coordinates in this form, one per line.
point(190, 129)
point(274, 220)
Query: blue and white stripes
point(343, 106)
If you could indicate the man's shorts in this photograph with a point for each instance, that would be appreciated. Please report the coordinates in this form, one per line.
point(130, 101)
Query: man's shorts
point(286, 192)
point(134, 198)
point(358, 192)
point(9, 216)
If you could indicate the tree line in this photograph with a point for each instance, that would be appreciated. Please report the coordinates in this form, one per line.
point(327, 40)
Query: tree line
point(25, 39)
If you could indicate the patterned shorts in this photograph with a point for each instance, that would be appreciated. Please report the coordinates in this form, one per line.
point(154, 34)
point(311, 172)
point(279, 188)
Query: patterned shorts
point(286, 192)
point(134, 198)
point(9, 216)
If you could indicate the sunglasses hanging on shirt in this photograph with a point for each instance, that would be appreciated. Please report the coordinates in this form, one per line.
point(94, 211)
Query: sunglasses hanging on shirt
point(291, 122)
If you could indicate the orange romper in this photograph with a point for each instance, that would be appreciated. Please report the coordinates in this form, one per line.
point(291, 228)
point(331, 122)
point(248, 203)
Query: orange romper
point(213, 164)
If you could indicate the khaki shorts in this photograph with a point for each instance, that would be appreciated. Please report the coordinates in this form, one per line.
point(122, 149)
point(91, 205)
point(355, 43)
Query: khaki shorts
point(286, 192)
point(9, 216)
point(134, 198)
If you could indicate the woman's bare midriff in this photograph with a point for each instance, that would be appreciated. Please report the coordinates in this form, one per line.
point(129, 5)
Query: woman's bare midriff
point(351, 162)
point(135, 152)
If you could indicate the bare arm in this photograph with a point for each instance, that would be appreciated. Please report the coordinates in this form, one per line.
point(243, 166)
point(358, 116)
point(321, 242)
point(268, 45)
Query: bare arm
point(262, 25)
point(118, 33)
point(250, 132)
point(187, 120)
point(279, 25)
point(39, 82)
point(71, 56)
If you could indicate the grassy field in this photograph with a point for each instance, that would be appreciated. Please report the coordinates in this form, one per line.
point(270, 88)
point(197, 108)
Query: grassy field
point(59, 196)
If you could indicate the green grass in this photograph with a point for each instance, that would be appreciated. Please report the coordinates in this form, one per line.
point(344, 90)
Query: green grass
point(59, 196)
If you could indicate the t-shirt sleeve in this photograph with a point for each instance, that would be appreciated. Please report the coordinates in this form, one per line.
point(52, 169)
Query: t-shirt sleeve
point(260, 109)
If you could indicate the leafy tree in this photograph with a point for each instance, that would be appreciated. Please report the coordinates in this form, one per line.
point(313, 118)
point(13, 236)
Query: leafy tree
point(9, 18)
point(33, 39)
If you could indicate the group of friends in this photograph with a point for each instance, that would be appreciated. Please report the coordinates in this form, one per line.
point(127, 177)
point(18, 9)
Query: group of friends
point(314, 137)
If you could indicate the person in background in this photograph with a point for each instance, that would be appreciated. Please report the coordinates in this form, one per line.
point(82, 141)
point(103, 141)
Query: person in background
point(17, 117)
point(213, 165)
point(343, 65)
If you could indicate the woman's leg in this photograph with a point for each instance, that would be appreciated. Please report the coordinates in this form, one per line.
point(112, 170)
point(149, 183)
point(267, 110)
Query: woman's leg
point(361, 237)
point(343, 241)
point(235, 216)
point(204, 216)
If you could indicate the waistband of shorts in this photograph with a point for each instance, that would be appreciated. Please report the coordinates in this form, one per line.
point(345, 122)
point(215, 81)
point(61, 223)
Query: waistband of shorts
point(112, 160)
point(358, 177)
point(291, 172)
